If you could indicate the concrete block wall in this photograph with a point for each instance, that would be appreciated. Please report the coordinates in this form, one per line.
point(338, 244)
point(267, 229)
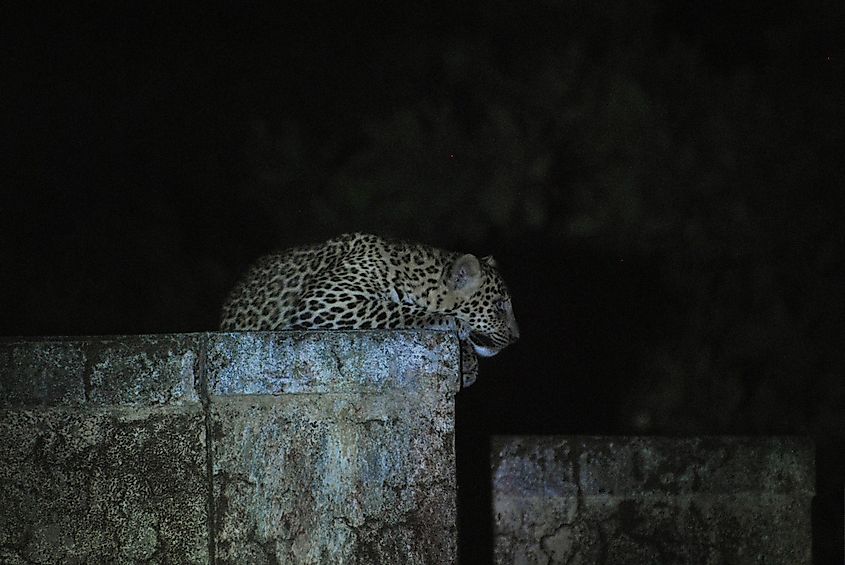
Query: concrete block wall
point(338, 447)
point(652, 500)
point(333, 447)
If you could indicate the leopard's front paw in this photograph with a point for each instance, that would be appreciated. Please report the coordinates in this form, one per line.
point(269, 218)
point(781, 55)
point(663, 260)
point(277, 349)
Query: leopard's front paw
point(469, 366)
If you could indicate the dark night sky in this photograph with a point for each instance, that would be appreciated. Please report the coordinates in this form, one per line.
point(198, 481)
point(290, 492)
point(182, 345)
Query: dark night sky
point(660, 180)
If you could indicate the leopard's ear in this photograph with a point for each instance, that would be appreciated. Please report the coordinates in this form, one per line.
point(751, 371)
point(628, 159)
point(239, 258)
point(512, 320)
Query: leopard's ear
point(488, 259)
point(464, 276)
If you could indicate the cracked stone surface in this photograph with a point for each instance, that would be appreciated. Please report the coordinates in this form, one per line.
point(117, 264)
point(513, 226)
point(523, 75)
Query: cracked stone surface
point(635, 500)
point(102, 451)
point(229, 448)
point(102, 487)
point(342, 453)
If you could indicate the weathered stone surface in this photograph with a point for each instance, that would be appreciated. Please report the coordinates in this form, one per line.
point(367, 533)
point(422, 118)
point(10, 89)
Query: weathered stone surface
point(145, 370)
point(101, 486)
point(652, 500)
point(334, 447)
point(352, 462)
point(133, 370)
point(365, 362)
point(102, 451)
point(41, 372)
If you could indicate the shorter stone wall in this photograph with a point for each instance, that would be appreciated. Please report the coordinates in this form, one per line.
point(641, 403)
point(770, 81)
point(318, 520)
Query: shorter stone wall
point(259, 448)
point(640, 500)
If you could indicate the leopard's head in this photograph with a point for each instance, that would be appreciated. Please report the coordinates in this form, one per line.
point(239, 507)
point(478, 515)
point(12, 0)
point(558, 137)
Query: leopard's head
point(482, 302)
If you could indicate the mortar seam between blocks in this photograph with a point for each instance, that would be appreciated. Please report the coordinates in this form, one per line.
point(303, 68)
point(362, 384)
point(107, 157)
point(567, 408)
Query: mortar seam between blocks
point(205, 401)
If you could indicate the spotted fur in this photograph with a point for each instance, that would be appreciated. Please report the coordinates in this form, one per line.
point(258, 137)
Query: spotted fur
point(360, 281)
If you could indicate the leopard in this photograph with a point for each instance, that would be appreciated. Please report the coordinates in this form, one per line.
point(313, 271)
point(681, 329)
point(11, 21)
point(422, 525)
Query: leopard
point(360, 281)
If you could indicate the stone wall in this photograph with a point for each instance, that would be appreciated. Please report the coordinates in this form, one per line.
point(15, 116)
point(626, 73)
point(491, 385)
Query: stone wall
point(338, 447)
point(638, 500)
point(333, 447)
